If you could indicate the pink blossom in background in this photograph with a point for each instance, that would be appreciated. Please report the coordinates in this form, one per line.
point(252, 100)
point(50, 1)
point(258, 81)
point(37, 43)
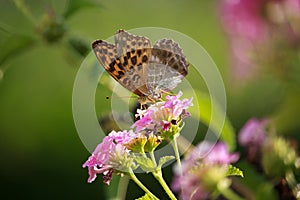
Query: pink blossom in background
point(208, 153)
point(192, 188)
point(292, 10)
point(256, 30)
point(242, 53)
point(244, 18)
point(253, 132)
point(188, 182)
point(245, 25)
point(220, 155)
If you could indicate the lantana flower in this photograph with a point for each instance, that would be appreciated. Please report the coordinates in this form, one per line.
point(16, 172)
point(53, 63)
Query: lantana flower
point(161, 116)
point(144, 141)
point(267, 150)
point(252, 136)
point(259, 31)
point(253, 132)
point(245, 25)
point(244, 18)
point(202, 170)
point(110, 156)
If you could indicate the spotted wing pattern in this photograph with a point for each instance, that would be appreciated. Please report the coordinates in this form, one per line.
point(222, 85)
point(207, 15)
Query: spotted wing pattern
point(108, 57)
point(174, 56)
point(145, 70)
point(134, 52)
point(167, 66)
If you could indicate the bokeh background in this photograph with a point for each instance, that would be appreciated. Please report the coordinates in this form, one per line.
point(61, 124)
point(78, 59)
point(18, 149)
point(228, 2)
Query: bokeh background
point(42, 44)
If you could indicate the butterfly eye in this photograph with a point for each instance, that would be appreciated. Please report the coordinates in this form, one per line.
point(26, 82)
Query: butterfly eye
point(142, 100)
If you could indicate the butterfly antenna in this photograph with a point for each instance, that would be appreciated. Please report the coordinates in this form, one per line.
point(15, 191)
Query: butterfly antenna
point(168, 93)
point(122, 97)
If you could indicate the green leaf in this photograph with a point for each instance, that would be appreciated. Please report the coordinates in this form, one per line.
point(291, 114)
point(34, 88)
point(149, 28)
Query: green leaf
point(218, 124)
point(76, 5)
point(234, 171)
point(145, 163)
point(145, 197)
point(164, 159)
point(14, 45)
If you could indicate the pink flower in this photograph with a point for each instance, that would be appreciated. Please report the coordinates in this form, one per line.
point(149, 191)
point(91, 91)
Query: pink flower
point(177, 106)
point(256, 30)
point(244, 18)
point(253, 132)
point(220, 155)
point(110, 156)
point(162, 115)
point(190, 182)
point(246, 26)
point(190, 188)
point(122, 137)
point(165, 125)
point(144, 121)
point(208, 153)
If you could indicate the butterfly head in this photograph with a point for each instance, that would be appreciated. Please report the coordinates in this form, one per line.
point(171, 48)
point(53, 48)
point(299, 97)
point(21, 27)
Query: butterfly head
point(144, 100)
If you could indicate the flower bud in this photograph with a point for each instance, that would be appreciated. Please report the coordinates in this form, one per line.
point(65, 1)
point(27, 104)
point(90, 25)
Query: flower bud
point(277, 156)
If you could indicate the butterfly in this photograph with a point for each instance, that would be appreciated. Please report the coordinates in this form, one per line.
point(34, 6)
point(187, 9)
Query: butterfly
point(144, 70)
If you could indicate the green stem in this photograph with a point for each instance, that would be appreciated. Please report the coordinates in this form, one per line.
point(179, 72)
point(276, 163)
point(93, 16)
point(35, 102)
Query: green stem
point(136, 180)
point(175, 147)
point(20, 4)
point(153, 157)
point(122, 188)
point(159, 177)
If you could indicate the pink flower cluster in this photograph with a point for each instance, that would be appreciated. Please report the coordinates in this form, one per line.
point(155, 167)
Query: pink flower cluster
point(254, 25)
point(253, 133)
point(189, 182)
point(266, 150)
point(108, 154)
point(162, 115)
point(113, 155)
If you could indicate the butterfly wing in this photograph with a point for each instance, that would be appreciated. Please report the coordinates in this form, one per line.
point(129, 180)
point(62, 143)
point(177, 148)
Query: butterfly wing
point(140, 68)
point(108, 58)
point(175, 58)
point(167, 66)
point(134, 52)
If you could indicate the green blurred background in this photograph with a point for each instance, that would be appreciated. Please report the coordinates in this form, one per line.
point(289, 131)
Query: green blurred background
point(42, 44)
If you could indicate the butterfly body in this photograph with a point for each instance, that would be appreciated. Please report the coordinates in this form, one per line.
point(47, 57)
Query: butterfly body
point(144, 70)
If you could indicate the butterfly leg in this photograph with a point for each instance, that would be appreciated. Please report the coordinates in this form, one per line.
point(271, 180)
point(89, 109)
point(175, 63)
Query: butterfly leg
point(168, 93)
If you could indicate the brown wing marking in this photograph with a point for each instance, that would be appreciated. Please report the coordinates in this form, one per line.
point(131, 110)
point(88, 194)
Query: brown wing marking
point(107, 56)
point(134, 52)
point(171, 54)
